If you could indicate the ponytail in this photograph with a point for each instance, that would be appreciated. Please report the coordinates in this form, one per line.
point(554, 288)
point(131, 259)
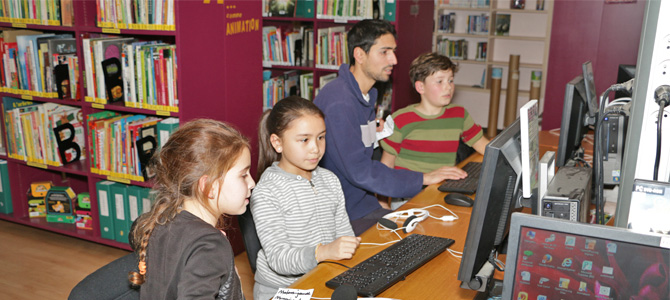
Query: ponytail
point(266, 153)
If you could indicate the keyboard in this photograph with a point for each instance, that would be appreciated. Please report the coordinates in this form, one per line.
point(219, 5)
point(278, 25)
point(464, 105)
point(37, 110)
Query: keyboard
point(467, 185)
point(377, 273)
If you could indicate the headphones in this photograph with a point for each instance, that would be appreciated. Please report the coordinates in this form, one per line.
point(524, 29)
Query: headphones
point(412, 216)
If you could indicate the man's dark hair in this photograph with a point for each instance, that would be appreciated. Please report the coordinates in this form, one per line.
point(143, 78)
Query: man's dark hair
point(364, 34)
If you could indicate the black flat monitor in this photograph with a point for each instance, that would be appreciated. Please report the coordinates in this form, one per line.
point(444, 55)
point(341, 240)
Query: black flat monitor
point(498, 195)
point(590, 88)
point(551, 258)
point(574, 123)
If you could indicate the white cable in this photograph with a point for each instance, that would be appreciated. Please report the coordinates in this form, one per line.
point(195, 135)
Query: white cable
point(455, 253)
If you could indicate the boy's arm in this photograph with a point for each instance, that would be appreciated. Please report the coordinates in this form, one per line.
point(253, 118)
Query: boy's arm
point(388, 159)
point(480, 146)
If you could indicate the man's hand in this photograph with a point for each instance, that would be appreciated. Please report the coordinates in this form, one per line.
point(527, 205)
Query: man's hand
point(442, 174)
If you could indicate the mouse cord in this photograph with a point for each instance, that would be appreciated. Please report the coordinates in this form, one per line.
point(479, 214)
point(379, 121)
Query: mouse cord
point(440, 218)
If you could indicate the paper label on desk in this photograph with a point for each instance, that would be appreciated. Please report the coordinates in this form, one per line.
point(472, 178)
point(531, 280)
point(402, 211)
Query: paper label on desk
point(293, 294)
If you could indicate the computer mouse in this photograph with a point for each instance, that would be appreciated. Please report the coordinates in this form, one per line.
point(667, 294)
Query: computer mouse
point(458, 199)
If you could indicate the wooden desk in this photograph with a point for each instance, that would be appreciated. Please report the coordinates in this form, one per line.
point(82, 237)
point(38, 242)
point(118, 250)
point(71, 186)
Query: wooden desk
point(440, 273)
point(435, 280)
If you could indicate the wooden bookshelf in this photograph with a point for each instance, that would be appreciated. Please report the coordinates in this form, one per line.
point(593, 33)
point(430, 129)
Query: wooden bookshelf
point(217, 78)
point(529, 36)
point(413, 25)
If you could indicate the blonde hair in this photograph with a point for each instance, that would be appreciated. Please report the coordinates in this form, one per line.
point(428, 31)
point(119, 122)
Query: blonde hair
point(201, 147)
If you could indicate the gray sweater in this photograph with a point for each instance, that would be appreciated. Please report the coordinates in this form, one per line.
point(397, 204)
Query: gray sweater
point(292, 216)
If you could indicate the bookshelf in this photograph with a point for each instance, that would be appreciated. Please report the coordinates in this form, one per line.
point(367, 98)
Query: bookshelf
point(413, 23)
point(216, 71)
point(529, 36)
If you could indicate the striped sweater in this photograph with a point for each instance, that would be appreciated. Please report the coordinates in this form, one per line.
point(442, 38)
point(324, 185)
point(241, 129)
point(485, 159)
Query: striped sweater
point(424, 143)
point(292, 216)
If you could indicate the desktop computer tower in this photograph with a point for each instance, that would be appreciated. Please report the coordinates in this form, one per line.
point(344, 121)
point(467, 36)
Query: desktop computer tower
point(613, 136)
point(568, 195)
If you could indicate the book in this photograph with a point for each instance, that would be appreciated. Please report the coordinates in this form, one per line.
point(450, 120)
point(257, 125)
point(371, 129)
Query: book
point(304, 9)
point(282, 8)
point(106, 215)
point(503, 24)
point(112, 71)
point(530, 147)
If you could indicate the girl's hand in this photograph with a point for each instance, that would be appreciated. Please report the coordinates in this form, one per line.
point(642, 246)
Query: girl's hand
point(342, 248)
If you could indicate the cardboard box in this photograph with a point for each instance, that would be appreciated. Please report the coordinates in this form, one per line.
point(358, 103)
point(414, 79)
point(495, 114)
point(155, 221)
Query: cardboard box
point(68, 219)
point(36, 208)
point(83, 219)
point(84, 200)
point(40, 189)
point(58, 201)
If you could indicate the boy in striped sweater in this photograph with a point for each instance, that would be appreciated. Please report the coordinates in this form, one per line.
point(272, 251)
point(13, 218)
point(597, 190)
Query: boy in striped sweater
point(426, 135)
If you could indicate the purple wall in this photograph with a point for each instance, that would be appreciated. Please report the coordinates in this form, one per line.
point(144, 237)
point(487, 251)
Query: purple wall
point(606, 34)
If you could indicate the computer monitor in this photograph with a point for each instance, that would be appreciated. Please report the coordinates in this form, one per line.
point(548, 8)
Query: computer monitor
point(498, 195)
point(558, 259)
point(590, 88)
point(573, 124)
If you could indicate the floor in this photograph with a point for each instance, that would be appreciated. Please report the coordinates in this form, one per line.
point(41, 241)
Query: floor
point(39, 264)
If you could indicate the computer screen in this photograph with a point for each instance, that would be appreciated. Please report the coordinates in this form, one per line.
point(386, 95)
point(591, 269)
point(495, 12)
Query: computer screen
point(498, 194)
point(551, 258)
point(590, 88)
point(573, 123)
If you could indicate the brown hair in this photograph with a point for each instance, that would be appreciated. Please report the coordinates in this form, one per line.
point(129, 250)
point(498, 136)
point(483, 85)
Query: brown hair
point(429, 63)
point(276, 121)
point(198, 148)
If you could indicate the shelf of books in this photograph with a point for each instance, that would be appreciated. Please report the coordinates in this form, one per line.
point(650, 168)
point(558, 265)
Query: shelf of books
point(481, 35)
point(90, 90)
point(304, 44)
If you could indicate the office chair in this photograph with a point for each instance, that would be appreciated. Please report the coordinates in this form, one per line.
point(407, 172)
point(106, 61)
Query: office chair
point(110, 282)
point(250, 237)
point(463, 151)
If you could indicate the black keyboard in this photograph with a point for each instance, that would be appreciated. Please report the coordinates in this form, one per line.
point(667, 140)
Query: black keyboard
point(467, 185)
point(377, 273)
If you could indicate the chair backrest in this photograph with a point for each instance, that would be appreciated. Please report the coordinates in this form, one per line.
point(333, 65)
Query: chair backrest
point(250, 237)
point(463, 151)
point(110, 282)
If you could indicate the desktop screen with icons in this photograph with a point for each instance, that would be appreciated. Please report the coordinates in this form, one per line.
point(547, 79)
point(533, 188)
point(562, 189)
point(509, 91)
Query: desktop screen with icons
point(552, 264)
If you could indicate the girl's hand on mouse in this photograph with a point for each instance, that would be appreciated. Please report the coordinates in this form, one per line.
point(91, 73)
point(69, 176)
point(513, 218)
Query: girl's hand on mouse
point(342, 248)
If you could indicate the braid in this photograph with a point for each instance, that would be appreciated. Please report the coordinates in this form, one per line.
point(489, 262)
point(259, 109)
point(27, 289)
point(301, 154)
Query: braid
point(199, 148)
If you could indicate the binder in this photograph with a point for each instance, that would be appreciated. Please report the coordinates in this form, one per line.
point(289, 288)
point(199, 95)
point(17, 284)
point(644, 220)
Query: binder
point(165, 128)
point(121, 213)
point(5, 191)
point(389, 10)
point(134, 202)
point(148, 198)
point(106, 208)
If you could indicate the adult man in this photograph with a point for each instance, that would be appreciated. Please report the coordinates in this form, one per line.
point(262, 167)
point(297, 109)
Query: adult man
point(351, 127)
